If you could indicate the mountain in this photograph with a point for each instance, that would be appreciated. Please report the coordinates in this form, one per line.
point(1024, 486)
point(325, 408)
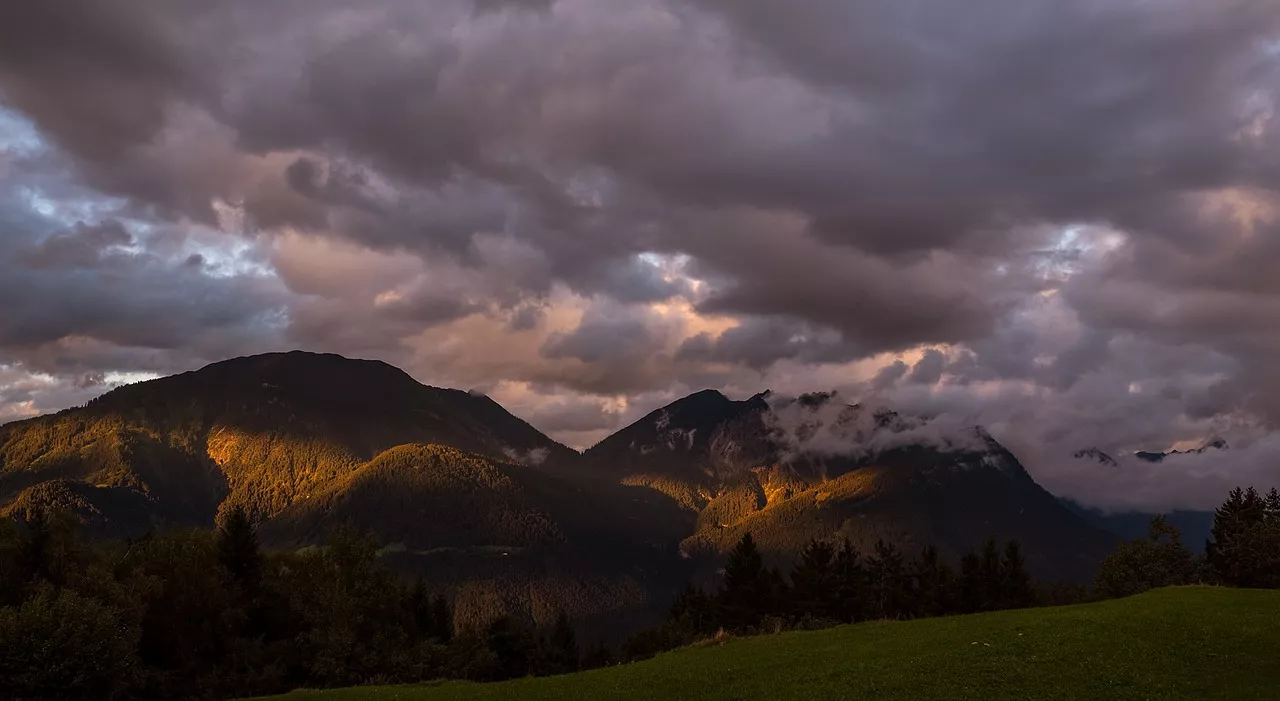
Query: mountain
point(792, 470)
point(261, 432)
point(1095, 455)
point(501, 516)
point(1211, 443)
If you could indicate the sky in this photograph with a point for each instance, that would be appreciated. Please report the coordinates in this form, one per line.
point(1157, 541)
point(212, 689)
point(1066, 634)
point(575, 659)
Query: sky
point(1059, 219)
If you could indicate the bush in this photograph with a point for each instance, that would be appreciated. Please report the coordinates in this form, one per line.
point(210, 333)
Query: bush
point(1136, 566)
point(59, 645)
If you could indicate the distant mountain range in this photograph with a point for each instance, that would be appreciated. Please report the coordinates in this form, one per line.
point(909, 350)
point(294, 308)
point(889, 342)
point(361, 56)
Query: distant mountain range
point(1131, 525)
point(1098, 455)
point(501, 515)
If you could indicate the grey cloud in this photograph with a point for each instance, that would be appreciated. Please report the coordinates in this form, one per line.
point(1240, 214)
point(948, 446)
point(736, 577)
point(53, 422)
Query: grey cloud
point(760, 342)
point(81, 247)
point(928, 370)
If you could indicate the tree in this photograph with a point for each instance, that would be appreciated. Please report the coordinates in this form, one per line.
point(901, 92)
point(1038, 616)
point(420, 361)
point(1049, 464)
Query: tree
point(1245, 547)
point(934, 582)
point(59, 645)
point(693, 612)
point(992, 576)
point(851, 584)
point(814, 585)
point(1161, 560)
point(887, 591)
point(442, 617)
point(239, 553)
point(1017, 590)
point(971, 584)
point(747, 595)
point(559, 651)
point(512, 643)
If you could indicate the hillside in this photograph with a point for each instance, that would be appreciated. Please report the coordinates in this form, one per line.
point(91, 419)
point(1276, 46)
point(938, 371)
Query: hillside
point(792, 470)
point(1186, 643)
point(262, 432)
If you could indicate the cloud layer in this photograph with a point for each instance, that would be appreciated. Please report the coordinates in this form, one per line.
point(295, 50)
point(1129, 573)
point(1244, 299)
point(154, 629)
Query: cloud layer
point(1059, 219)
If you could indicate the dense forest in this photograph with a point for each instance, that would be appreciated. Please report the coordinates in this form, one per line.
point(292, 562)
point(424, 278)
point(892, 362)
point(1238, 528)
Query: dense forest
point(199, 614)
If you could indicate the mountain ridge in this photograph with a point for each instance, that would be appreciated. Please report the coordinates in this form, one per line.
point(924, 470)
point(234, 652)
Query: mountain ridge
point(446, 478)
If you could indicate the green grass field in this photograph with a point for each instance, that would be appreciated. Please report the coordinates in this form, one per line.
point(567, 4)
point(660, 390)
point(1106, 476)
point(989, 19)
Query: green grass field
point(1184, 643)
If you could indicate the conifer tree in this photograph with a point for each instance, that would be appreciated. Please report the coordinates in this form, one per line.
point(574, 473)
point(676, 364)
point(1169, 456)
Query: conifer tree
point(992, 576)
point(1017, 581)
point(442, 620)
point(417, 603)
point(851, 584)
point(814, 585)
point(971, 583)
point(886, 582)
point(239, 552)
point(561, 654)
point(513, 644)
point(1245, 546)
point(934, 582)
point(745, 596)
point(693, 612)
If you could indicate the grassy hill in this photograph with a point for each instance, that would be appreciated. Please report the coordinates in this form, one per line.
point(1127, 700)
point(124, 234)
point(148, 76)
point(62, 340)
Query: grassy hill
point(1184, 643)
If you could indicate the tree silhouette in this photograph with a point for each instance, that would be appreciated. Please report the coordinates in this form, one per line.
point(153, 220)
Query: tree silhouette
point(750, 591)
point(1245, 547)
point(934, 582)
point(1017, 590)
point(239, 552)
point(814, 584)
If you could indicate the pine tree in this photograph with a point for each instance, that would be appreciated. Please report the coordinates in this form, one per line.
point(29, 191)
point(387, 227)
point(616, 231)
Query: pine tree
point(561, 654)
point(934, 582)
point(693, 612)
point(418, 607)
point(1245, 546)
point(745, 596)
point(1018, 592)
point(971, 583)
point(513, 644)
point(851, 585)
point(885, 576)
point(814, 584)
point(442, 620)
point(239, 552)
point(992, 576)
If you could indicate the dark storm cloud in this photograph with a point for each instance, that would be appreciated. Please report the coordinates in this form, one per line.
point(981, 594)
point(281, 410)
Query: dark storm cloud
point(95, 75)
point(758, 343)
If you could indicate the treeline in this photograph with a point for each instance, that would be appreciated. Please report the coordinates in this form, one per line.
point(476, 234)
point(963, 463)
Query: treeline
point(208, 615)
point(831, 585)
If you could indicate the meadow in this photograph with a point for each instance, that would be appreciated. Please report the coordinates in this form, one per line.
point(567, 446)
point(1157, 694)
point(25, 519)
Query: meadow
point(1174, 643)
